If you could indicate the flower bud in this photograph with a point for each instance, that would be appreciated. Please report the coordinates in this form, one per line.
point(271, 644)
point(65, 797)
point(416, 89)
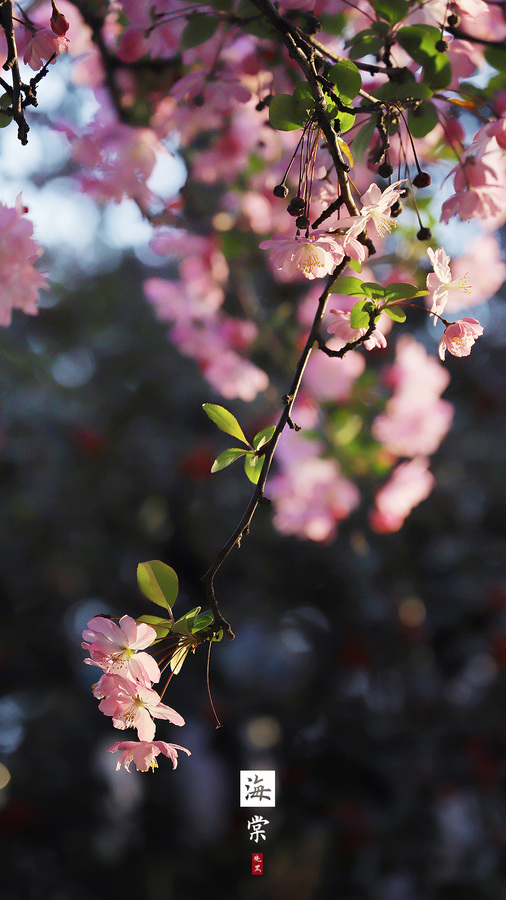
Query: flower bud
point(302, 222)
point(59, 23)
point(280, 190)
point(296, 206)
point(385, 170)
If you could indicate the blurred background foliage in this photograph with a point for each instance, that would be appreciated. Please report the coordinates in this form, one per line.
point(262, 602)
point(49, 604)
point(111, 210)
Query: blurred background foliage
point(368, 672)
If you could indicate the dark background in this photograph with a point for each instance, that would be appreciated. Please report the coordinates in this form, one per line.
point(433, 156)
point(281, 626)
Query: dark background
point(369, 672)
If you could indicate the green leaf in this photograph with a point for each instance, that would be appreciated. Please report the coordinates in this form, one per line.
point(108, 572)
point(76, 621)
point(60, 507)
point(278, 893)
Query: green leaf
point(346, 78)
point(399, 290)
point(373, 290)
point(284, 114)
point(363, 138)
point(161, 626)
point(496, 57)
point(226, 458)
point(356, 265)
point(203, 621)
point(359, 317)
point(395, 313)
point(348, 285)
point(422, 120)
point(346, 121)
point(412, 89)
point(263, 436)
point(198, 29)
point(252, 22)
point(253, 466)
point(332, 23)
point(185, 623)
point(158, 582)
point(370, 45)
point(305, 101)
point(420, 42)
point(225, 421)
point(381, 28)
point(393, 11)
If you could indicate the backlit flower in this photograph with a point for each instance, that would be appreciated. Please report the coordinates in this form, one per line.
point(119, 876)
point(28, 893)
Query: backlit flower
point(131, 705)
point(376, 206)
point(341, 327)
point(313, 257)
point(114, 648)
point(144, 753)
point(459, 337)
point(440, 281)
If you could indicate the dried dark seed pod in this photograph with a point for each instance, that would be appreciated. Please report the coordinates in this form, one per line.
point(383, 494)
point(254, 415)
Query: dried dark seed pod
point(422, 180)
point(296, 206)
point(403, 193)
point(280, 190)
point(453, 20)
point(313, 25)
point(396, 209)
point(442, 45)
point(385, 170)
point(424, 234)
point(302, 222)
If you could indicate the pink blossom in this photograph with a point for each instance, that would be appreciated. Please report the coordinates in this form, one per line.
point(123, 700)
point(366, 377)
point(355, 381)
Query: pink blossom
point(376, 206)
point(114, 648)
point(415, 419)
point(132, 705)
point(20, 281)
point(459, 337)
point(330, 378)
point(233, 376)
point(409, 484)
point(440, 281)
point(220, 95)
point(341, 327)
point(117, 160)
point(313, 257)
point(144, 753)
point(43, 45)
point(310, 497)
point(479, 182)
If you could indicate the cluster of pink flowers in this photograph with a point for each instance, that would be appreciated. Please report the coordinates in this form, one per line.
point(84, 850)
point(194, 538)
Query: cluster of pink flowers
point(47, 42)
point(415, 419)
point(125, 689)
point(409, 484)
point(20, 281)
point(459, 336)
point(313, 257)
point(340, 326)
point(200, 328)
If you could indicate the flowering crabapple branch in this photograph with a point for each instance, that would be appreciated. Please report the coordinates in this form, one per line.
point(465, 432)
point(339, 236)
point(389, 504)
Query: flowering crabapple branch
point(41, 51)
point(196, 71)
point(267, 452)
